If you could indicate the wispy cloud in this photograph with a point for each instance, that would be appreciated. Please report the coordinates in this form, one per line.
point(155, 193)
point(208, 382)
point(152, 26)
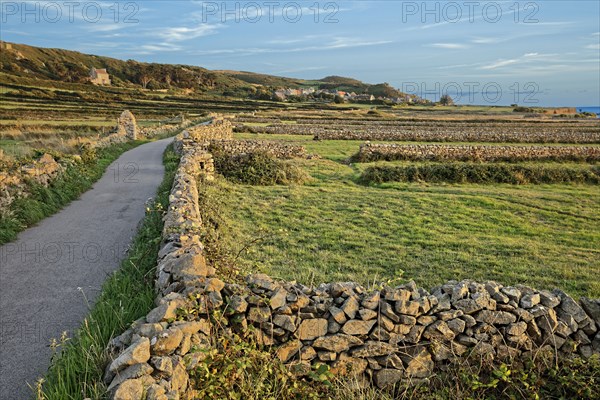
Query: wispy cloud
point(536, 64)
point(99, 44)
point(331, 44)
point(453, 46)
point(347, 42)
point(487, 40)
point(105, 27)
point(254, 12)
point(294, 40)
point(181, 33)
point(500, 63)
point(525, 58)
point(160, 47)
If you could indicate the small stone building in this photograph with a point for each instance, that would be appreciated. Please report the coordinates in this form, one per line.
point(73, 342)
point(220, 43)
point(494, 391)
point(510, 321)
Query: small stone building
point(99, 76)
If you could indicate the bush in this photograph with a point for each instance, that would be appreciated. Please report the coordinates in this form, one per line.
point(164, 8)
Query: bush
point(481, 173)
point(446, 100)
point(521, 109)
point(480, 153)
point(239, 369)
point(257, 168)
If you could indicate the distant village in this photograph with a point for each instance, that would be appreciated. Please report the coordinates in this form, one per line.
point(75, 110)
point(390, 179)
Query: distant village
point(341, 96)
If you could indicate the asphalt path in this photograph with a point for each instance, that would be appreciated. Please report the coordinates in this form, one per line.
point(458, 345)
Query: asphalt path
point(51, 275)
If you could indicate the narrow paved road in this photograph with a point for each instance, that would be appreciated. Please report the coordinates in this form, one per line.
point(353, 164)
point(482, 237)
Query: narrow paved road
point(52, 273)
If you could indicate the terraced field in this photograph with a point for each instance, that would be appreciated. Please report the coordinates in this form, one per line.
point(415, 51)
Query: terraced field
point(48, 115)
point(343, 224)
point(429, 130)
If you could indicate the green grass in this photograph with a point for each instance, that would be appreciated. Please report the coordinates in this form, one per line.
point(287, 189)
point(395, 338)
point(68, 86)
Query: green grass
point(77, 372)
point(334, 229)
point(78, 122)
point(332, 149)
point(15, 148)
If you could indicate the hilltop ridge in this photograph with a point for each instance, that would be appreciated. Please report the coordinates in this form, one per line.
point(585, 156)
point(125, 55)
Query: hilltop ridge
point(21, 60)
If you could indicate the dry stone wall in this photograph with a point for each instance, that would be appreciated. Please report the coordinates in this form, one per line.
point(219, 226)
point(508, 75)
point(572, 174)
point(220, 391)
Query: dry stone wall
point(433, 131)
point(220, 128)
point(127, 129)
point(374, 152)
point(218, 137)
point(165, 129)
point(380, 335)
point(13, 184)
point(535, 134)
point(275, 149)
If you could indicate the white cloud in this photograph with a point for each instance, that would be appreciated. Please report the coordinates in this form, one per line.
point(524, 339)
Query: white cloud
point(594, 46)
point(345, 42)
point(332, 44)
point(500, 63)
point(540, 63)
point(254, 12)
point(160, 47)
point(177, 34)
point(487, 40)
point(295, 40)
point(449, 46)
point(98, 27)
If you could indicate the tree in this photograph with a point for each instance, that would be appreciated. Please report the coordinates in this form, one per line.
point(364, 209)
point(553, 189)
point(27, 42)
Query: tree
point(145, 80)
point(446, 100)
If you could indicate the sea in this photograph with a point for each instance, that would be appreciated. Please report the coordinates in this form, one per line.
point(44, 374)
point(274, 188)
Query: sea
point(595, 110)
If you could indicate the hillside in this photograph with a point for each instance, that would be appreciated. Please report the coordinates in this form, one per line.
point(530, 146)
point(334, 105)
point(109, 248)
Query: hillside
point(71, 66)
point(68, 66)
point(329, 82)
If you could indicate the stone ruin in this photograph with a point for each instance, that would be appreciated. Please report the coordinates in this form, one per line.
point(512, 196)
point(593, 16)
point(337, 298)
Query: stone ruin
point(382, 336)
point(127, 125)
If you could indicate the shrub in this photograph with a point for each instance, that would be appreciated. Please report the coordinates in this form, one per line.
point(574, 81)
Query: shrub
point(390, 152)
point(446, 100)
point(481, 173)
point(257, 168)
point(521, 109)
point(238, 369)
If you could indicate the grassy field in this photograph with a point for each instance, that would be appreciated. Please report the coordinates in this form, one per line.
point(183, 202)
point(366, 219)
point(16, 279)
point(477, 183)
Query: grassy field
point(333, 228)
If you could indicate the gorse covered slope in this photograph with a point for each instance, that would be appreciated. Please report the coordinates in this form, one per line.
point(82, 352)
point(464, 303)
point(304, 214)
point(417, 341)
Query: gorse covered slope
point(74, 67)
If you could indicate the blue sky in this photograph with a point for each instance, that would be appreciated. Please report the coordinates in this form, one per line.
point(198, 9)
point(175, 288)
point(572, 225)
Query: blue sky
point(543, 53)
